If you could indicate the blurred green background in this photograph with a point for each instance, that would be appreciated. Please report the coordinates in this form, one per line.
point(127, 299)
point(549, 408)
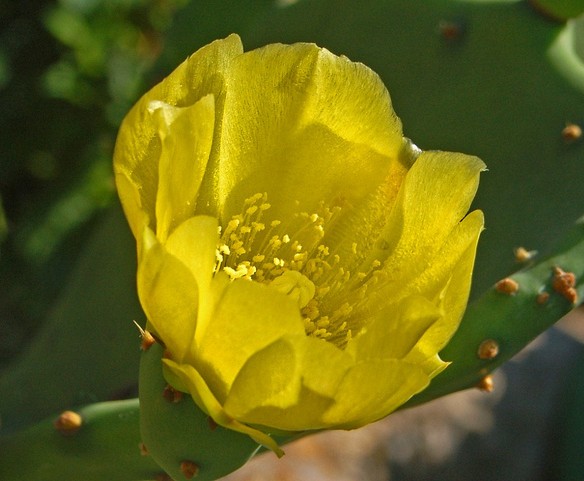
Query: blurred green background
point(491, 78)
point(68, 73)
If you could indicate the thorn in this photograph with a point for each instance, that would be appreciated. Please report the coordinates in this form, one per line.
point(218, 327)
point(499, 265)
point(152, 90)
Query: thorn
point(69, 422)
point(147, 338)
point(143, 449)
point(147, 341)
point(171, 394)
point(163, 477)
point(189, 469)
point(488, 349)
point(523, 255)
point(507, 286)
point(542, 298)
point(486, 384)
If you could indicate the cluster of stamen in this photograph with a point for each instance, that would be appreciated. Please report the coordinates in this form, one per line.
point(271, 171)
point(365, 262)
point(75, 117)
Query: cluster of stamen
point(292, 258)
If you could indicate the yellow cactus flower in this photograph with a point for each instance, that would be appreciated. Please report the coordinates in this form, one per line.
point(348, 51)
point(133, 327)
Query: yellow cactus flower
point(302, 262)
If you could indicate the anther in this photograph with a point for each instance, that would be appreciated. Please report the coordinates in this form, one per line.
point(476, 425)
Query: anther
point(189, 469)
point(68, 423)
point(278, 262)
point(488, 349)
point(231, 226)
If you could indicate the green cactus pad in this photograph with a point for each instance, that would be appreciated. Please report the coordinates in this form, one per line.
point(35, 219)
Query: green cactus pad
point(106, 447)
point(177, 432)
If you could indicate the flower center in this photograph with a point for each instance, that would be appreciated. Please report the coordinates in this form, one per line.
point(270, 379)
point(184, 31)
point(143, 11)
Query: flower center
point(293, 259)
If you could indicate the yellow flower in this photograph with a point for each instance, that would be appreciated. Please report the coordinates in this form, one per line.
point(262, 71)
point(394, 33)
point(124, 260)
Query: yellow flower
point(302, 262)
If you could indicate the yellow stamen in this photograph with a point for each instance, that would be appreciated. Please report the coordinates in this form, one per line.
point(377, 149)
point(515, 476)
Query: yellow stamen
point(299, 264)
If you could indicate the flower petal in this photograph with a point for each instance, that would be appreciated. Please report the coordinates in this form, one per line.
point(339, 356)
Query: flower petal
point(205, 399)
point(435, 196)
point(168, 294)
point(182, 164)
point(460, 243)
point(454, 296)
point(395, 330)
point(270, 377)
point(321, 122)
point(445, 284)
point(286, 386)
point(138, 146)
point(247, 317)
point(131, 201)
point(388, 384)
point(199, 231)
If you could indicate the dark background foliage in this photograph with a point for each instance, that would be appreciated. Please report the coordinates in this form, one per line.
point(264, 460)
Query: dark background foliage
point(69, 71)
